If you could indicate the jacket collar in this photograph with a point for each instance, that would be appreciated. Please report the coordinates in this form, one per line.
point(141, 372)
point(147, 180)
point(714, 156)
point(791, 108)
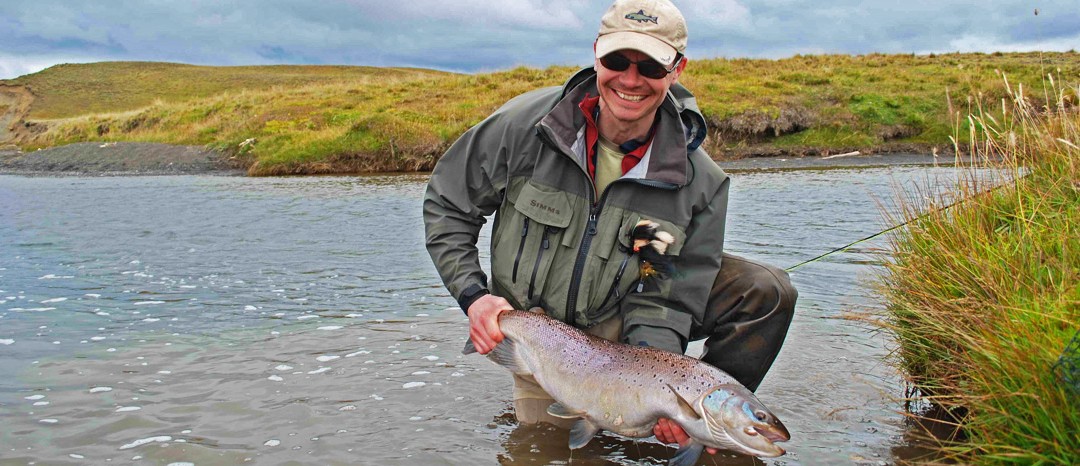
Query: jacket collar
point(680, 130)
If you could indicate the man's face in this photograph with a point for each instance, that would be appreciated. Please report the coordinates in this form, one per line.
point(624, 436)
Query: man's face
point(628, 97)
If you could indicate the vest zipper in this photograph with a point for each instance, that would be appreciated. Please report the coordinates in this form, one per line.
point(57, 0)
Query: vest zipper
point(583, 253)
point(521, 248)
point(614, 291)
point(544, 245)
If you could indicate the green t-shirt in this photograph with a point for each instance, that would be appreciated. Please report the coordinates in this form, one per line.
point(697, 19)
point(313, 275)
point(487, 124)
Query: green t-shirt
point(608, 164)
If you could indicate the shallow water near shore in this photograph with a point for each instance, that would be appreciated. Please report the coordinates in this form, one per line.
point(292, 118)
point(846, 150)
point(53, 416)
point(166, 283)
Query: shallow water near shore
point(222, 320)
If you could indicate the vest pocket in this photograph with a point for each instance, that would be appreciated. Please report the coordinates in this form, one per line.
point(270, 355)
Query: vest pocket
point(531, 232)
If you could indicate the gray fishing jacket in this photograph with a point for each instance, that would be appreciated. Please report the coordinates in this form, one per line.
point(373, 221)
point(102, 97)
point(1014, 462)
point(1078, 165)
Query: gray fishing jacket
point(555, 243)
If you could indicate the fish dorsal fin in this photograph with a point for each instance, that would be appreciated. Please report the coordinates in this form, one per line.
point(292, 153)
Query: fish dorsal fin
point(688, 455)
point(506, 354)
point(582, 431)
point(561, 411)
point(685, 406)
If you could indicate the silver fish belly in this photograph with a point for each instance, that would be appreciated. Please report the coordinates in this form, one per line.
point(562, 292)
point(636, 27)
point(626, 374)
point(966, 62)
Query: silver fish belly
point(625, 389)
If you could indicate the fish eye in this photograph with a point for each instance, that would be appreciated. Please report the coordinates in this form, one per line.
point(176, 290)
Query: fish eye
point(760, 415)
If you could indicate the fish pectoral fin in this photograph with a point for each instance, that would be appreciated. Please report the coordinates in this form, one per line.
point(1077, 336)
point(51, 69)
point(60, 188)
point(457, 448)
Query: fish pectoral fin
point(687, 455)
point(581, 432)
point(561, 411)
point(685, 406)
point(506, 354)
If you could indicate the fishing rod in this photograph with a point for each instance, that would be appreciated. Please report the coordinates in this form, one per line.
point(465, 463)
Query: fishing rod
point(894, 227)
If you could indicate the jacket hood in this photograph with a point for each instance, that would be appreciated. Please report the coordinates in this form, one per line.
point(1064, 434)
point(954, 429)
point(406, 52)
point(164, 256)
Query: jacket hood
point(685, 104)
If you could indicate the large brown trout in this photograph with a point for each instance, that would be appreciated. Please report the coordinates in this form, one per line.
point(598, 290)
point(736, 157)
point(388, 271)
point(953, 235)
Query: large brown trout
point(625, 389)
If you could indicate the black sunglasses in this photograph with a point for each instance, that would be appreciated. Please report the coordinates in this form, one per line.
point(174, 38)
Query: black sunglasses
point(616, 61)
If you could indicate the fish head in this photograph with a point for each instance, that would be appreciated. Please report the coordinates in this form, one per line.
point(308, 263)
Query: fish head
point(738, 420)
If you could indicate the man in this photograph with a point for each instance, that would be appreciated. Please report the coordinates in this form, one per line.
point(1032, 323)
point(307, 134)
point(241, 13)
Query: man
point(569, 173)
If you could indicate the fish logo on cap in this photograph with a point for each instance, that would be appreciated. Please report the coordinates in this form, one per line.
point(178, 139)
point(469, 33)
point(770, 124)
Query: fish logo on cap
point(641, 17)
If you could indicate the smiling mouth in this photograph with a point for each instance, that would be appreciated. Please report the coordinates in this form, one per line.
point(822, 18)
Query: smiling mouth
point(631, 98)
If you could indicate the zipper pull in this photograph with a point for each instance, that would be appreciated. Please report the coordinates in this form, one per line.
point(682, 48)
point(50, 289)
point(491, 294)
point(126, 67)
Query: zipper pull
point(525, 229)
point(640, 285)
point(545, 243)
point(592, 224)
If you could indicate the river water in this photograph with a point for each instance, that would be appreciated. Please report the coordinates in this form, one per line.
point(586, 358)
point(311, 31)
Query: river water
point(224, 320)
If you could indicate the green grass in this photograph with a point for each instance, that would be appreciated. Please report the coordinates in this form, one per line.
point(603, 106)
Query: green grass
point(984, 296)
point(339, 119)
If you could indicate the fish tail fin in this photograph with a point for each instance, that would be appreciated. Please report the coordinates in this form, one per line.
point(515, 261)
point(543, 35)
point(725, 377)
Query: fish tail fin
point(688, 455)
point(470, 348)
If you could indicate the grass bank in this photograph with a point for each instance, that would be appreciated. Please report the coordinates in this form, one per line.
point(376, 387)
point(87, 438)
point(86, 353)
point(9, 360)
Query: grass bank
point(985, 295)
point(295, 120)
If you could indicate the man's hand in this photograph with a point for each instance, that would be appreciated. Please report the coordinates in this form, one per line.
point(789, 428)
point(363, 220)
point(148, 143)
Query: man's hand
point(484, 322)
point(668, 431)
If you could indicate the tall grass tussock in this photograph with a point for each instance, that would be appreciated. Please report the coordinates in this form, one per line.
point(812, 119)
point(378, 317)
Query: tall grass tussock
point(984, 293)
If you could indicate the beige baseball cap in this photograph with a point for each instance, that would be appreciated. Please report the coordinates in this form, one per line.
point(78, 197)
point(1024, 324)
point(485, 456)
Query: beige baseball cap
point(654, 27)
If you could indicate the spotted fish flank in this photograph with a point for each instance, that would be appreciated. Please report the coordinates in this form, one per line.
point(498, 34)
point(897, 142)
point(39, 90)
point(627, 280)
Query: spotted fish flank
point(582, 373)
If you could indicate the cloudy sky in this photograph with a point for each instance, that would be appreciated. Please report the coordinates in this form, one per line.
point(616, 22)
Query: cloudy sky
point(487, 35)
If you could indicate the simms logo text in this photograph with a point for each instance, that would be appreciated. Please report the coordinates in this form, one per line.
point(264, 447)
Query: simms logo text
point(544, 207)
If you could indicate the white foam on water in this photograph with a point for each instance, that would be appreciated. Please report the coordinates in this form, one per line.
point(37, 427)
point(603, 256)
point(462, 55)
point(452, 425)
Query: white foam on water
point(34, 397)
point(144, 441)
point(7, 341)
point(102, 313)
point(100, 389)
point(250, 308)
point(350, 355)
point(32, 309)
point(49, 421)
point(53, 277)
point(272, 442)
point(421, 373)
point(331, 327)
point(54, 300)
point(307, 317)
point(147, 303)
point(353, 316)
point(347, 408)
point(457, 374)
point(416, 418)
point(320, 370)
point(92, 295)
point(431, 358)
point(41, 403)
point(327, 358)
point(376, 397)
point(182, 463)
point(127, 409)
point(283, 367)
point(97, 338)
point(414, 384)
point(275, 378)
point(76, 456)
point(164, 372)
point(151, 319)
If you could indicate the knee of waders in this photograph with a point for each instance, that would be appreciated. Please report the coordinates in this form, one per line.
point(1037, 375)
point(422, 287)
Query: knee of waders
point(751, 288)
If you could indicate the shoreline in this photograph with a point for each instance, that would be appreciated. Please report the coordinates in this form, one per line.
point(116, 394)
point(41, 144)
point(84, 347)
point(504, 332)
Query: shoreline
point(156, 159)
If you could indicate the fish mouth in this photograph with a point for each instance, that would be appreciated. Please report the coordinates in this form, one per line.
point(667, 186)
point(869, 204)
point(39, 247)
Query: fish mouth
point(773, 435)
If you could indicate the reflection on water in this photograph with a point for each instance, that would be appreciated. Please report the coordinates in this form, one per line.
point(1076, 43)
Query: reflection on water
point(217, 320)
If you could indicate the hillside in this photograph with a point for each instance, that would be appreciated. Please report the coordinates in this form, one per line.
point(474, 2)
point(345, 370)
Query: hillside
point(319, 119)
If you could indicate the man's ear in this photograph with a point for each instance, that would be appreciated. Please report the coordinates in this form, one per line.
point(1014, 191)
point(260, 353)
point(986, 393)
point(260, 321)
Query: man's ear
point(679, 69)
